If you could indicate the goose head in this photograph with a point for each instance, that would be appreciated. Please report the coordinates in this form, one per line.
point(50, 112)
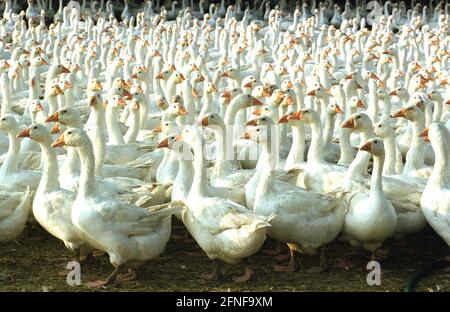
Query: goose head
point(55, 90)
point(191, 135)
point(161, 102)
point(8, 123)
point(260, 91)
point(115, 102)
point(94, 85)
point(96, 101)
point(434, 95)
point(258, 134)
point(358, 122)
point(374, 146)
point(435, 133)
point(277, 97)
point(260, 121)
point(356, 102)
point(35, 107)
point(400, 92)
point(289, 97)
point(228, 95)
point(71, 137)
point(212, 120)
point(410, 111)
point(246, 100)
point(306, 115)
point(383, 129)
point(176, 109)
point(67, 116)
point(36, 132)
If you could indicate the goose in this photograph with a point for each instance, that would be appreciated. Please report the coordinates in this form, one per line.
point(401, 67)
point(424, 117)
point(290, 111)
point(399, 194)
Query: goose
point(130, 235)
point(52, 205)
point(319, 176)
point(14, 212)
point(302, 227)
point(436, 196)
point(393, 162)
point(11, 177)
point(224, 229)
point(371, 218)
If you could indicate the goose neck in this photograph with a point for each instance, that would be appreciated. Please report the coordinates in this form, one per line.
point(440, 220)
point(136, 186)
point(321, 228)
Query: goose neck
point(376, 186)
point(49, 181)
point(11, 163)
point(315, 149)
point(87, 187)
point(199, 183)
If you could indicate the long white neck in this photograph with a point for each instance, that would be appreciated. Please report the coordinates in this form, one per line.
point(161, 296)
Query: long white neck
point(132, 132)
point(415, 155)
point(11, 163)
point(49, 180)
point(437, 177)
point(376, 186)
point(358, 168)
point(222, 162)
point(87, 186)
point(390, 148)
point(297, 152)
point(315, 150)
point(267, 168)
point(114, 135)
point(199, 183)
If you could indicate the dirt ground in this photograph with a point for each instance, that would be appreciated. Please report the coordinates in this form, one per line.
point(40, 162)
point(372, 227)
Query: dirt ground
point(36, 262)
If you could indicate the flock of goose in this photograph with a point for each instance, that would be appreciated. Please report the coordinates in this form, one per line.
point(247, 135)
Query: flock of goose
point(306, 125)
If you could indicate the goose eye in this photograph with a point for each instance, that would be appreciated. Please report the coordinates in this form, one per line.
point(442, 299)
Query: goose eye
point(35, 127)
point(69, 132)
point(358, 117)
point(257, 130)
point(376, 142)
point(379, 126)
point(212, 116)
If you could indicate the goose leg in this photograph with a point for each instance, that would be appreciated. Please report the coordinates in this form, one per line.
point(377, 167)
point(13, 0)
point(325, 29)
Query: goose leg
point(292, 267)
point(273, 252)
point(127, 277)
point(323, 263)
point(109, 280)
point(214, 276)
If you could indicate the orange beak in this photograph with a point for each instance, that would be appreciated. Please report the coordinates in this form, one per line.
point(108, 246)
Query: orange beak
point(360, 104)
point(367, 147)
point(245, 136)
point(338, 110)
point(55, 129)
point(24, 133)
point(283, 119)
point(257, 112)
point(225, 74)
point(311, 93)
point(424, 135)
point(39, 107)
point(54, 117)
point(289, 100)
point(59, 142)
point(400, 113)
point(98, 86)
point(67, 85)
point(92, 101)
point(127, 94)
point(65, 70)
point(195, 94)
point(349, 123)
point(255, 101)
point(252, 122)
point(204, 122)
point(121, 102)
point(182, 111)
point(159, 76)
point(44, 62)
point(248, 85)
point(295, 116)
point(178, 137)
point(290, 85)
point(393, 92)
point(157, 129)
point(163, 143)
point(448, 102)
point(134, 76)
point(266, 92)
point(226, 94)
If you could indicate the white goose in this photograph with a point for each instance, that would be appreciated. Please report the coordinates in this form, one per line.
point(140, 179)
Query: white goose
point(129, 234)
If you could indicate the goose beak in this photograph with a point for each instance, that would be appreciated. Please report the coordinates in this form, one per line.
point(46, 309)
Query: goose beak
point(255, 101)
point(59, 141)
point(424, 135)
point(248, 85)
point(39, 107)
point(367, 147)
point(225, 74)
point(195, 94)
point(393, 93)
point(163, 143)
point(54, 117)
point(134, 76)
point(289, 100)
point(44, 62)
point(157, 129)
point(179, 137)
point(204, 122)
point(98, 86)
point(338, 110)
point(24, 133)
point(159, 76)
point(121, 103)
point(65, 70)
point(257, 112)
point(252, 122)
point(245, 136)
point(400, 113)
point(127, 94)
point(283, 119)
point(360, 104)
point(55, 129)
point(448, 102)
point(295, 116)
point(266, 92)
point(182, 111)
point(349, 123)
point(92, 101)
point(311, 93)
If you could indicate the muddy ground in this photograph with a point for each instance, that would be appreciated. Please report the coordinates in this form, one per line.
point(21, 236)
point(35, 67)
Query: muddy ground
point(36, 262)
